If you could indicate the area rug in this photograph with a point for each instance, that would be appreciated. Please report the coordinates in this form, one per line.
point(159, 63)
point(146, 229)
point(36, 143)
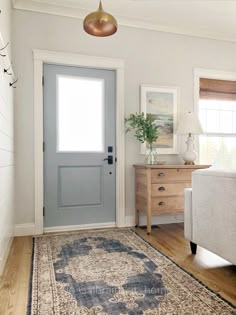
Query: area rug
point(113, 272)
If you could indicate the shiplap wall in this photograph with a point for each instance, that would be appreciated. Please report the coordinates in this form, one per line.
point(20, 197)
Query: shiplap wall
point(6, 139)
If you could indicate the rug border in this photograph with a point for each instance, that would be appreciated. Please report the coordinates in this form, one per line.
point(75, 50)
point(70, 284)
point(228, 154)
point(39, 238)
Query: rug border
point(29, 305)
point(187, 272)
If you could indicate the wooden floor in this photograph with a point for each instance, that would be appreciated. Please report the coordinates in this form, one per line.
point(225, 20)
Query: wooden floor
point(213, 271)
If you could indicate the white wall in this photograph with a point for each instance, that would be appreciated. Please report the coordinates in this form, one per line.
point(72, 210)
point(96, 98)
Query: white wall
point(6, 139)
point(150, 58)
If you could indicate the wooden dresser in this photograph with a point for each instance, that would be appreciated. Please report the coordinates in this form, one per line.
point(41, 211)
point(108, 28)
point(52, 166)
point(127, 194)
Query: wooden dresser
point(160, 189)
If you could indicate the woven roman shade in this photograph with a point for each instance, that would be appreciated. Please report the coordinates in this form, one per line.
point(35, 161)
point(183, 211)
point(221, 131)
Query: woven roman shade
point(217, 89)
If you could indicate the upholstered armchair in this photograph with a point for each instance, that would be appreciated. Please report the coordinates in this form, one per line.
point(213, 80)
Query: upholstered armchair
point(210, 212)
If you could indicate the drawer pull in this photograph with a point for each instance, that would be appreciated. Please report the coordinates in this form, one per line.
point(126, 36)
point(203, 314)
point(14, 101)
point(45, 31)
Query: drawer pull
point(161, 189)
point(161, 174)
point(161, 203)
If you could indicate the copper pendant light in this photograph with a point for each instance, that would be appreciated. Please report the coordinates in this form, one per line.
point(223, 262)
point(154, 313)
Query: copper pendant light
point(100, 23)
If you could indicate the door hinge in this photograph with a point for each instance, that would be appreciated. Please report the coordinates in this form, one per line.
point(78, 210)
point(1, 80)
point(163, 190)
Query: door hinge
point(43, 146)
point(43, 211)
point(115, 159)
point(43, 80)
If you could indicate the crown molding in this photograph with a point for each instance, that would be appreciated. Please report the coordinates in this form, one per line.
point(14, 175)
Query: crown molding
point(80, 13)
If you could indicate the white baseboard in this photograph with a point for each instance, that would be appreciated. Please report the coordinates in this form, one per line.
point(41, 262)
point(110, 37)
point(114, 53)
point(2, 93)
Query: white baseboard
point(162, 219)
point(129, 221)
point(30, 228)
point(3, 259)
point(79, 227)
point(24, 229)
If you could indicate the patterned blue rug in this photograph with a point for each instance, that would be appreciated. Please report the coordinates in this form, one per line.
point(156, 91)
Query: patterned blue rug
point(112, 272)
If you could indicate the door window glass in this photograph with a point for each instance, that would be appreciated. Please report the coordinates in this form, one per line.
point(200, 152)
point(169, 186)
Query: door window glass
point(80, 103)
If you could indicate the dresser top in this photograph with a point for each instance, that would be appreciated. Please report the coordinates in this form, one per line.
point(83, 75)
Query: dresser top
point(170, 166)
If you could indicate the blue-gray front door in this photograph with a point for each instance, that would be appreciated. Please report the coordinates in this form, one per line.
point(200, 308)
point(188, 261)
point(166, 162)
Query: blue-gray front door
point(79, 146)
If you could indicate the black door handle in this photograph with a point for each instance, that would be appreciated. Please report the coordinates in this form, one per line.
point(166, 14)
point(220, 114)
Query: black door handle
point(109, 159)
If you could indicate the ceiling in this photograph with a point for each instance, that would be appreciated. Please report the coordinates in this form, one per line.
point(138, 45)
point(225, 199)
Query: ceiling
point(215, 19)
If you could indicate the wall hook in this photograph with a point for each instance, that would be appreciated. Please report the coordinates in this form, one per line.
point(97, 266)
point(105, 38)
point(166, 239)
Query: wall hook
point(3, 49)
point(6, 71)
point(11, 84)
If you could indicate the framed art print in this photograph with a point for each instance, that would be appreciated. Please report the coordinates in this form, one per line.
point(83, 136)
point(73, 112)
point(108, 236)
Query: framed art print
point(161, 103)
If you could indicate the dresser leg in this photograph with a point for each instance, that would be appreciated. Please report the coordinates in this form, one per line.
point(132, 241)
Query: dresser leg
point(149, 224)
point(149, 201)
point(137, 218)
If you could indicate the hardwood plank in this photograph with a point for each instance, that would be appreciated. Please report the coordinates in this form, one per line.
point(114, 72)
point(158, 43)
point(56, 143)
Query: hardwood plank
point(14, 283)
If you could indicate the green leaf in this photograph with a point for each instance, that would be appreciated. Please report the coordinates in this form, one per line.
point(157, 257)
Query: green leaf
point(144, 128)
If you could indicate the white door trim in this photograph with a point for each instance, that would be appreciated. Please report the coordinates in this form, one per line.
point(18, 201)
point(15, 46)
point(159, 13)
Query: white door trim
point(61, 58)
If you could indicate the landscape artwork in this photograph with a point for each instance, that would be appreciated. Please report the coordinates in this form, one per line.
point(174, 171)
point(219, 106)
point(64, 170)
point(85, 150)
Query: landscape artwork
point(161, 103)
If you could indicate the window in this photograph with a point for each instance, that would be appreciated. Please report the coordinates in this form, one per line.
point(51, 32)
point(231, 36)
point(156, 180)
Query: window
point(80, 114)
point(217, 111)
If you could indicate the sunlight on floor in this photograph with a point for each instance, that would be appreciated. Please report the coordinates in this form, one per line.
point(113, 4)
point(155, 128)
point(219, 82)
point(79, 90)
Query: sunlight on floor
point(209, 260)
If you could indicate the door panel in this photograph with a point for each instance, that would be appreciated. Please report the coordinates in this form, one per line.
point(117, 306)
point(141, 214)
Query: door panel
point(79, 125)
point(76, 184)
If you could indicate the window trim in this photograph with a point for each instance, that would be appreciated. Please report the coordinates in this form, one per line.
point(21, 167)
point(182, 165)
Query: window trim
point(218, 134)
point(207, 74)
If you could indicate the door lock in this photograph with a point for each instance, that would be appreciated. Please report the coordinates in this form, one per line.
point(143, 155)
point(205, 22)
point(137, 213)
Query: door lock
point(110, 149)
point(109, 159)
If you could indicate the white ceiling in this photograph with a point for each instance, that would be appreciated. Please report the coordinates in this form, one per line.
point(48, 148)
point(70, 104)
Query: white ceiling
point(214, 19)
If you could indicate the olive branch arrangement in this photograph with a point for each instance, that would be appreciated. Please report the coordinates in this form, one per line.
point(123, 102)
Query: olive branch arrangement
point(144, 128)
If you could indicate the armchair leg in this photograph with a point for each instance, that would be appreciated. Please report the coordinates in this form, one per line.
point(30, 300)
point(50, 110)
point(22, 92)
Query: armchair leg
point(193, 247)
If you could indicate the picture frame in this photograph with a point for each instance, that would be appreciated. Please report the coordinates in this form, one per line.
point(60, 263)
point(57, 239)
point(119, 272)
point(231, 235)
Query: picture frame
point(162, 103)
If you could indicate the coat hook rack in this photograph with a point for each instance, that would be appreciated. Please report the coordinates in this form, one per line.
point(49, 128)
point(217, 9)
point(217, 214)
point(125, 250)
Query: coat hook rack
point(12, 84)
point(3, 49)
point(6, 71)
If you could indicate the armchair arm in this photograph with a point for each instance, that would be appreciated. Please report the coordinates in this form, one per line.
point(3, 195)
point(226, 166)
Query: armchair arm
point(214, 211)
point(188, 213)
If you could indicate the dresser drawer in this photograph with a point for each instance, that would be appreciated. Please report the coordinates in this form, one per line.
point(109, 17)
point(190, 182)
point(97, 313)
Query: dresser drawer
point(167, 205)
point(159, 190)
point(176, 174)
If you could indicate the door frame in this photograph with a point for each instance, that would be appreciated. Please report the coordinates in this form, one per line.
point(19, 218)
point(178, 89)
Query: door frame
point(71, 59)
